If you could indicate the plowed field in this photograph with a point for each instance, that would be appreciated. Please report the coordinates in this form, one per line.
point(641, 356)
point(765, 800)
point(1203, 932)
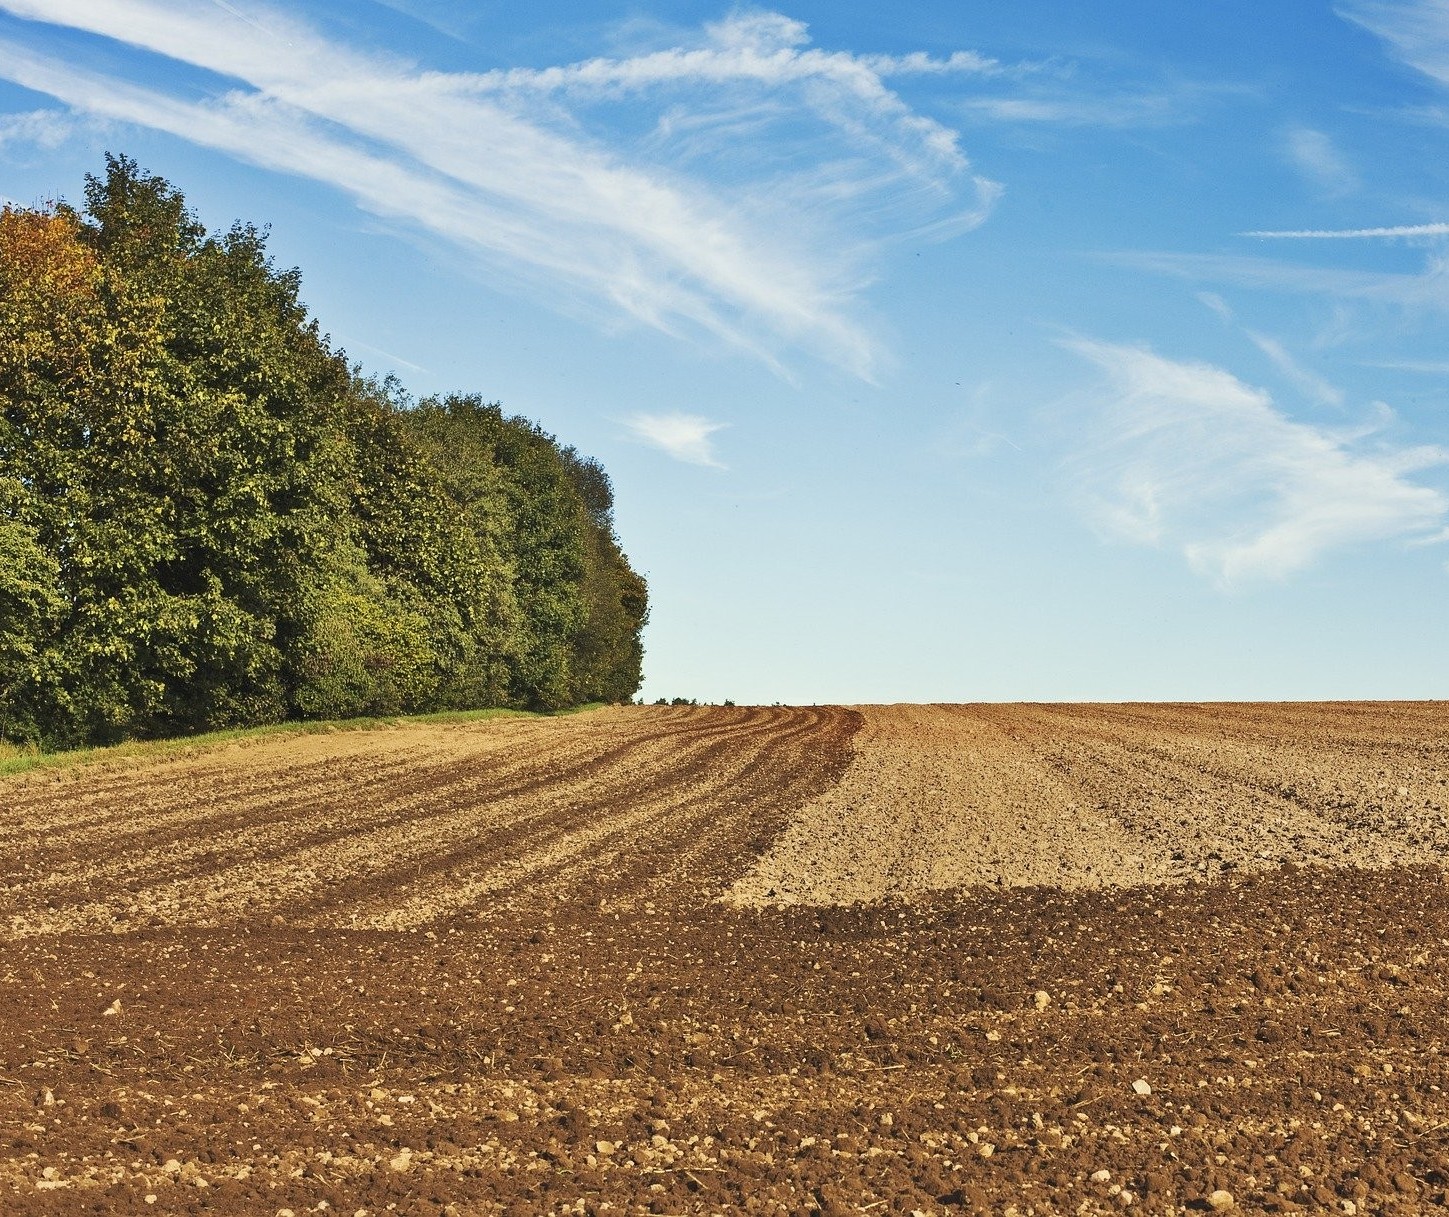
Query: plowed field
point(1049, 959)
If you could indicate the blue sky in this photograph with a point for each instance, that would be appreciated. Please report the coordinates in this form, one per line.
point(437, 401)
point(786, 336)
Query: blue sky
point(946, 351)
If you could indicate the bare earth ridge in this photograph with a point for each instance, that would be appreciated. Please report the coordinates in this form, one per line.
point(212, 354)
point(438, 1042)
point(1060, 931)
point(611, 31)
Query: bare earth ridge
point(1042, 959)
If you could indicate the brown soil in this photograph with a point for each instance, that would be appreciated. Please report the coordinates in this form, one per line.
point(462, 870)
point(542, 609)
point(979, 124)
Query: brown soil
point(1087, 796)
point(535, 966)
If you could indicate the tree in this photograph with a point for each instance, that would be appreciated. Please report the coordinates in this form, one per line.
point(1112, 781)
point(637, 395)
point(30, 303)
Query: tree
point(207, 517)
point(567, 626)
point(608, 650)
point(367, 647)
point(30, 605)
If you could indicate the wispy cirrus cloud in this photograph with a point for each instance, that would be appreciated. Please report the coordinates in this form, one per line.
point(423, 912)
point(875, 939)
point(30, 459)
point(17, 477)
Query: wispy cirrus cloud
point(528, 172)
point(1426, 290)
point(1186, 455)
point(1078, 109)
point(438, 15)
point(1417, 33)
point(43, 128)
point(1218, 305)
point(1307, 381)
point(685, 437)
point(759, 47)
point(1417, 30)
point(1314, 155)
point(1062, 93)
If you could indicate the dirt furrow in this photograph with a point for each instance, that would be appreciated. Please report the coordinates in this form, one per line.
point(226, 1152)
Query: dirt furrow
point(590, 838)
point(468, 836)
point(1218, 798)
point(394, 837)
point(1072, 796)
point(212, 799)
point(485, 968)
point(933, 799)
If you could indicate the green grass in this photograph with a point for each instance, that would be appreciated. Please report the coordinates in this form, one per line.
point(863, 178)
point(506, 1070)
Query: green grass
point(16, 759)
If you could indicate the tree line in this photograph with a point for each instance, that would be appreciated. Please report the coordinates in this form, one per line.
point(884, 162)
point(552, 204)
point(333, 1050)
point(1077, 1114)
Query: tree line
point(209, 518)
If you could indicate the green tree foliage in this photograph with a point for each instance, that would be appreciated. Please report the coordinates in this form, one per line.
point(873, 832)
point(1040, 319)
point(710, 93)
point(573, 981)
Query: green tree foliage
point(609, 655)
point(30, 606)
point(569, 621)
point(367, 647)
point(208, 518)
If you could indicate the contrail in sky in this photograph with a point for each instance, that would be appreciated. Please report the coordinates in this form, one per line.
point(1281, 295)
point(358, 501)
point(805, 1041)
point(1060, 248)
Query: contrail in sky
point(1329, 234)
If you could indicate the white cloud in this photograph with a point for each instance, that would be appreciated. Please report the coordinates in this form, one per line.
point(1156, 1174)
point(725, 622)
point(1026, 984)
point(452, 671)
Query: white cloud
point(448, 22)
point(44, 128)
point(763, 49)
point(1314, 154)
point(1078, 110)
point(685, 437)
point(1054, 94)
point(1217, 304)
point(1418, 30)
point(1306, 380)
point(1187, 456)
point(715, 238)
point(1426, 290)
point(1309, 382)
point(1397, 232)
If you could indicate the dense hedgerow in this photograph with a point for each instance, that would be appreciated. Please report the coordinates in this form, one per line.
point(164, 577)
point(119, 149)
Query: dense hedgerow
point(208, 518)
